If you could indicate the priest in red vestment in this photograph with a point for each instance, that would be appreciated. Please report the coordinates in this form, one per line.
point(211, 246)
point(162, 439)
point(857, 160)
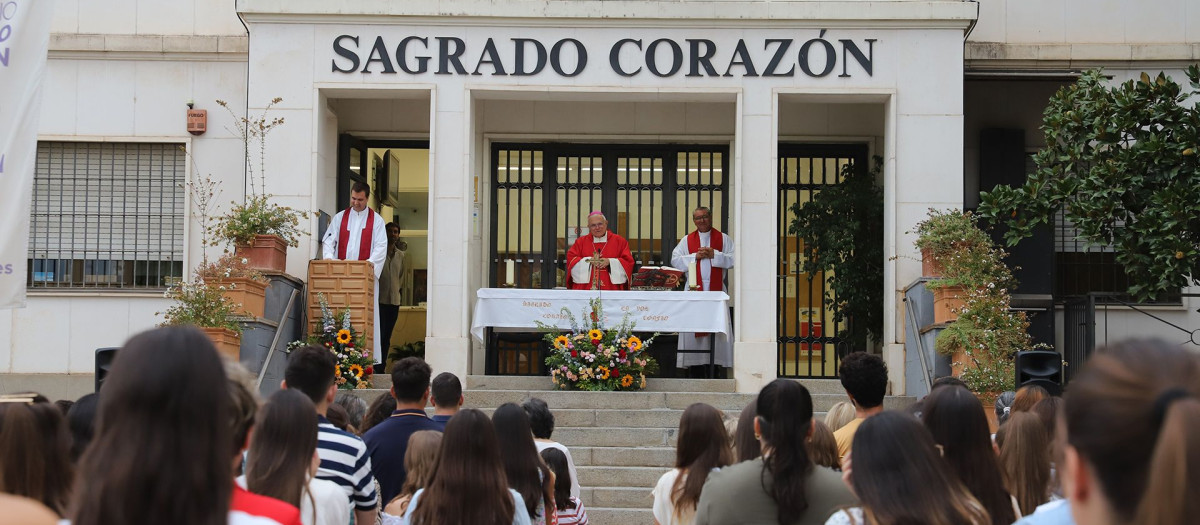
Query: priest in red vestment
point(600, 260)
point(358, 234)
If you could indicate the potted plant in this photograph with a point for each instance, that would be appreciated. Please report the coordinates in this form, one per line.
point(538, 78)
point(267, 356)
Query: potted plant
point(241, 283)
point(206, 306)
point(259, 230)
point(956, 252)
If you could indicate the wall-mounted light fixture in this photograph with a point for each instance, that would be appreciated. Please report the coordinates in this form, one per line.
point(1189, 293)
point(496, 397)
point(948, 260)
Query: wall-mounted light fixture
point(197, 119)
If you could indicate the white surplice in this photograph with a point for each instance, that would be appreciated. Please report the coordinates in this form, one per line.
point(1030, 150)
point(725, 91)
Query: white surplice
point(723, 258)
point(358, 221)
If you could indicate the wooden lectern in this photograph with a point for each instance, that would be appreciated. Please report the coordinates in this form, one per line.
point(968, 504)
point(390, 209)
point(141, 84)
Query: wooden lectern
point(345, 284)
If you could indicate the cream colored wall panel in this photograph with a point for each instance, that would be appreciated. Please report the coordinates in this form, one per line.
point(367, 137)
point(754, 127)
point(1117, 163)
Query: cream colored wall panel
point(710, 118)
point(927, 78)
point(41, 336)
point(165, 17)
point(108, 325)
point(161, 95)
point(507, 116)
point(449, 169)
point(659, 118)
point(117, 17)
point(105, 94)
point(7, 338)
point(929, 159)
point(993, 21)
point(289, 153)
point(66, 17)
point(283, 55)
point(1036, 21)
point(1095, 21)
point(59, 90)
point(217, 17)
point(1159, 21)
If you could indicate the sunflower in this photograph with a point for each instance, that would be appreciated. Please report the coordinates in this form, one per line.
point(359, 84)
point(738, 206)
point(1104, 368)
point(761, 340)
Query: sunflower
point(343, 336)
point(595, 334)
point(635, 344)
point(627, 380)
point(357, 370)
point(561, 341)
point(602, 372)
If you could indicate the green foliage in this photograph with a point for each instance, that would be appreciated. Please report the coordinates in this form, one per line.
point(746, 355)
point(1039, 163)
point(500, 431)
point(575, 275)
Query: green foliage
point(258, 217)
point(842, 229)
point(987, 332)
point(1121, 163)
point(200, 304)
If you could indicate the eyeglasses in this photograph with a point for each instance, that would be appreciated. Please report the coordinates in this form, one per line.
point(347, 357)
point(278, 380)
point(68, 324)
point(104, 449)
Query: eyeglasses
point(702, 218)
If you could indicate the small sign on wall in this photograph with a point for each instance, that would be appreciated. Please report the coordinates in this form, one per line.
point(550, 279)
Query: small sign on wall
point(197, 121)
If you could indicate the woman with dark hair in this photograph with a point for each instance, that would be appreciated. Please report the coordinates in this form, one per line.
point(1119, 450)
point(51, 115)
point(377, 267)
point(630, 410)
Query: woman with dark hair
point(81, 421)
point(702, 446)
point(526, 472)
point(35, 451)
point(282, 461)
point(541, 420)
point(783, 486)
point(568, 509)
point(955, 418)
point(1025, 460)
point(163, 446)
point(745, 441)
point(468, 483)
point(379, 410)
point(822, 446)
point(1132, 432)
point(896, 473)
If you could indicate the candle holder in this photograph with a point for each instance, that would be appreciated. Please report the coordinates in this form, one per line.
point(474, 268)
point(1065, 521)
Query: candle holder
point(508, 285)
point(694, 288)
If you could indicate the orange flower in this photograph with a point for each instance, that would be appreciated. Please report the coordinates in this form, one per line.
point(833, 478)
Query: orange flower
point(635, 344)
point(627, 380)
point(602, 372)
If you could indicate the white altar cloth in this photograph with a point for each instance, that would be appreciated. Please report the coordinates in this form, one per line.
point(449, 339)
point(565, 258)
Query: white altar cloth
point(680, 311)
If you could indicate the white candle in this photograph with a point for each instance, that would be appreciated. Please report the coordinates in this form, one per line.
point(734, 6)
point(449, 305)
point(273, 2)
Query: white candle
point(510, 272)
point(692, 279)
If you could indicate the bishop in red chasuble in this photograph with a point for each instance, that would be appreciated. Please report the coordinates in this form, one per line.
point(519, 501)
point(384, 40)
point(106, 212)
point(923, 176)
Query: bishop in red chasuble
point(600, 260)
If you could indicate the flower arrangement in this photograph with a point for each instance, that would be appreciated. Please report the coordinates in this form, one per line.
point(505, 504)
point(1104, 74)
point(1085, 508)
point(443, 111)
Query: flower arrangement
point(355, 364)
point(229, 266)
point(593, 358)
point(201, 304)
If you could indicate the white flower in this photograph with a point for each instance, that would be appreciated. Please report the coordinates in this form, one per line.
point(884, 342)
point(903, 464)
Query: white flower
point(245, 260)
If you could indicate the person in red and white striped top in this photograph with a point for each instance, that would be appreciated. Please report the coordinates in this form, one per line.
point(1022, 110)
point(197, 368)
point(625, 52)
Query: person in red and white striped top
point(569, 509)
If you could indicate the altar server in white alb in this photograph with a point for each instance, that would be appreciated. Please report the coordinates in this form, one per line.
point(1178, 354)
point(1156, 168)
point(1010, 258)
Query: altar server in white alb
point(358, 234)
point(712, 251)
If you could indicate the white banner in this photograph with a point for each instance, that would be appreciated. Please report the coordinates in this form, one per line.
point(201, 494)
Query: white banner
point(24, 36)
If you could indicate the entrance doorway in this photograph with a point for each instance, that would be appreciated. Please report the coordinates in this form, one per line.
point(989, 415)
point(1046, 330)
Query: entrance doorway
point(810, 343)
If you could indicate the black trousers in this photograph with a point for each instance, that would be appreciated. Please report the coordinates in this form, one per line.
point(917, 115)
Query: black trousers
point(387, 322)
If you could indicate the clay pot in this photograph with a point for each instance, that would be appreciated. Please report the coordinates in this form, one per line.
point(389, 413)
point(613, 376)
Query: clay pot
point(265, 252)
point(228, 342)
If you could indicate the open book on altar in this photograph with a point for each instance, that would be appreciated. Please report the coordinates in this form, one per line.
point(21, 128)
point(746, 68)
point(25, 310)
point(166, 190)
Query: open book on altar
point(664, 277)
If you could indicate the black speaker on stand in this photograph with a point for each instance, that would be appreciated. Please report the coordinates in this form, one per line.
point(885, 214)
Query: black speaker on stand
point(104, 361)
point(1042, 368)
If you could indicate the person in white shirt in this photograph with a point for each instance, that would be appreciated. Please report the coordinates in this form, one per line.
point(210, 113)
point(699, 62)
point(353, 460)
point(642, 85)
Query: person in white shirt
point(712, 251)
point(357, 234)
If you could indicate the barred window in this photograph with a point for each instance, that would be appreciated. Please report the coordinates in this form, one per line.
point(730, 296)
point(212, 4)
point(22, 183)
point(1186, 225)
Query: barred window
point(107, 215)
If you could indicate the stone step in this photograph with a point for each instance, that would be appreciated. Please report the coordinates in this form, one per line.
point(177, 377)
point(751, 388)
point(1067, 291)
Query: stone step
point(623, 456)
point(622, 498)
point(614, 516)
point(534, 384)
point(619, 477)
point(616, 437)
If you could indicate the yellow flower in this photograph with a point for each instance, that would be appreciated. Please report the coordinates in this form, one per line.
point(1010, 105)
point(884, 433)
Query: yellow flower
point(357, 370)
point(627, 380)
point(338, 371)
point(594, 334)
point(602, 372)
point(635, 344)
point(561, 341)
point(343, 336)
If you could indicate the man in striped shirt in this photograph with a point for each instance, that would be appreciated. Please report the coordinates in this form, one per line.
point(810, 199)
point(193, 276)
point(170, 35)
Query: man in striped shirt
point(344, 458)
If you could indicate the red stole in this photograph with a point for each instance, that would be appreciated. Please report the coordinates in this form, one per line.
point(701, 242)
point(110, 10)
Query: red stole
point(364, 243)
point(716, 276)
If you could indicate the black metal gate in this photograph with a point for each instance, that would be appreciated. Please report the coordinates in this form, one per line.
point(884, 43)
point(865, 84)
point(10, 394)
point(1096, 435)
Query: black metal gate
point(809, 342)
point(1079, 333)
point(542, 194)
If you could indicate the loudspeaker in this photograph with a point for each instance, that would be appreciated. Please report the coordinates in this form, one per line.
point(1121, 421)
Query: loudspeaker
point(104, 361)
point(1041, 368)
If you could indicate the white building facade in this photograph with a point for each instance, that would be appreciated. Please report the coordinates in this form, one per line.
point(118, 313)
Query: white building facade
point(748, 91)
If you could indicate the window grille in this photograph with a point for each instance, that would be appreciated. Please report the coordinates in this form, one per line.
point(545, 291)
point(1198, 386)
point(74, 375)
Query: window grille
point(107, 215)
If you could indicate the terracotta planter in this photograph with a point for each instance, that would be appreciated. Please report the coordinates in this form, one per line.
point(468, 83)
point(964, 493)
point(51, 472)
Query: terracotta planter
point(930, 267)
point(251, 294)
point(266, 252)
point(988, 400)
point(947, 301)
point(228, 342)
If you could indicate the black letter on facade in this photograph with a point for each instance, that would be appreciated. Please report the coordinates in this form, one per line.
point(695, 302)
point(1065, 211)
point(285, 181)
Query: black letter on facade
point(580, 52)
point(447, 57)
point(702, 58)
point(402, 55)
point(784, 45)
point(830, 56)
point(676, 57)
point(614, 56)
point(741, 57)
point(867, 62)
point(519, 65)
point(489, 56)
point(379, 53)
point(345, 53)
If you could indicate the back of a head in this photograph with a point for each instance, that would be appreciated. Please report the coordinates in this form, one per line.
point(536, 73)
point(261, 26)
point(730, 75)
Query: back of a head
point(522, 464)
point(784, 413)
point(445, 390)
point(864, 376)
point(35, 457)
point(1004, 404)
point(1133, 416)
point(410, 379)
point(419, 459)
point(468, 483)
point(1025, 460)
point(822, 446)
point(557, 462)
point(356, 408)
point(338, 417)
point(955, 418)
point(282, 447)
point(541, 419)
point(702, 446)
point(81, 421)
point(311, 370)
point(162, 448)
point(1027, 396)
point(839, 414)
point(899, 477)
point(1048, 410)
point(745, 443)
point(379, 410)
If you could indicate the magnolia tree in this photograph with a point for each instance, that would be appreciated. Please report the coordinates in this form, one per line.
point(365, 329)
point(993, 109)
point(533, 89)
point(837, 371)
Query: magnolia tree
point(1121, 164)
